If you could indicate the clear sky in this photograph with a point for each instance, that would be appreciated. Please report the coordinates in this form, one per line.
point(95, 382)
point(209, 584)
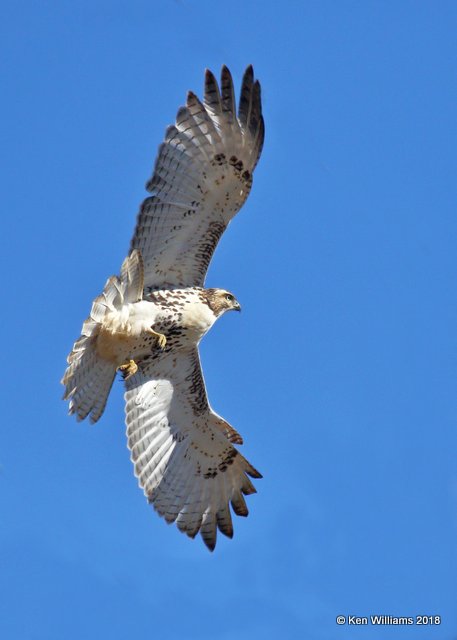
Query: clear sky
point(341, 372)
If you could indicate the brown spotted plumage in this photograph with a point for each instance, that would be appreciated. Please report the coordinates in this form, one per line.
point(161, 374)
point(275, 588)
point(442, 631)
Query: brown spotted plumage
point(149, 320)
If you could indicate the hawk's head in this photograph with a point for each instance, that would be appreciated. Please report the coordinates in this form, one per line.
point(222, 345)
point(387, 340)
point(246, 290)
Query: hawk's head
point(220, 301)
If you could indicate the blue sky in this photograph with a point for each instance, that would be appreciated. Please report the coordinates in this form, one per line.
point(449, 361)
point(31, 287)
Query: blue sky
point(341, 372)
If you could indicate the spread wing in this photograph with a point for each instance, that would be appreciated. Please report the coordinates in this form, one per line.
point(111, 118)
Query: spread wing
point(182, 451)
point(202, 177)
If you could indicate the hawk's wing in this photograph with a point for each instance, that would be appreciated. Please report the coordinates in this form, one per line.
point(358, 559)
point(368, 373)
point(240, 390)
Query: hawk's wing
point(182, 451)
point(202, 176)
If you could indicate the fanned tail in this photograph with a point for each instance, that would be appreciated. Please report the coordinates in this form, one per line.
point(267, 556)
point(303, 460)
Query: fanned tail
point(88, 381)
point(89, 378)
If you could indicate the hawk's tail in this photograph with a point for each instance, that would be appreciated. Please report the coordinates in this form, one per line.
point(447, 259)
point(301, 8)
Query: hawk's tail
point(89, 378)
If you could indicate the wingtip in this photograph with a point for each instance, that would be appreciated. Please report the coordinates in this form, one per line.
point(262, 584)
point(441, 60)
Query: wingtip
point(210, 544)
point(209, 75)
point(252, 471)
point(191, 97)
point(225, 72)
point(248, 73)
point(227, 532)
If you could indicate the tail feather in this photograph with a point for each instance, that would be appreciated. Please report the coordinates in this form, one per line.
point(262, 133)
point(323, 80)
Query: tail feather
point(88, 383)
point(132, 277)
point(113, 294)
point(89, 377)
point(99, 306)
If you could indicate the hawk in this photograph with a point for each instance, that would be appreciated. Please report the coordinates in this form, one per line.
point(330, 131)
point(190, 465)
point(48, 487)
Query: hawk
point(149, 320)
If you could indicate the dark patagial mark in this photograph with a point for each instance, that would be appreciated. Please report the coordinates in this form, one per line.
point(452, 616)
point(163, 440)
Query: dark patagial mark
point(208, 244)
point(197, 391)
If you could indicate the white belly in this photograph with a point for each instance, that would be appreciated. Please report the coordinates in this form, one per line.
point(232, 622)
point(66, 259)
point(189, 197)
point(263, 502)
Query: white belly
point(123, 334)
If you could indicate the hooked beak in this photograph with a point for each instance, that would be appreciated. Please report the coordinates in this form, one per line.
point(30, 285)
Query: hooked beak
point(237, 306)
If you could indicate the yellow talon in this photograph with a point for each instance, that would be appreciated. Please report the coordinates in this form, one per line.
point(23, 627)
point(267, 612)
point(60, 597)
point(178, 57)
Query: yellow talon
point(161, 339)
point(128, 369)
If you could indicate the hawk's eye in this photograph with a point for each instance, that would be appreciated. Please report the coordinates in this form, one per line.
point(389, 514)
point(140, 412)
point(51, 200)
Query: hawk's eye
point(229, 297)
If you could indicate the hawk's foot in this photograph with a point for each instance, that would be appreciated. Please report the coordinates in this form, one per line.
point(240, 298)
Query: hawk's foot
point(128, 369)
point(161, 339)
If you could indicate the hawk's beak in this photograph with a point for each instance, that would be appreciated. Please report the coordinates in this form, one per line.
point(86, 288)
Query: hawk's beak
point(237, 306)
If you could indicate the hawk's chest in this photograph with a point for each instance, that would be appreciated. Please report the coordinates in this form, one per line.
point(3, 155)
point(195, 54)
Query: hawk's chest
point(183, 311)
point(197, 318)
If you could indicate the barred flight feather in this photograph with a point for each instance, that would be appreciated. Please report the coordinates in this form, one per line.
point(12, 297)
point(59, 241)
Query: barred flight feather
point(203, 172)
point(192, 472)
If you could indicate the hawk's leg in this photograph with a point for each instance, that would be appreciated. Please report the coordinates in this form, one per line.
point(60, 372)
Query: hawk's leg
point(161, 339)
point(128, 369)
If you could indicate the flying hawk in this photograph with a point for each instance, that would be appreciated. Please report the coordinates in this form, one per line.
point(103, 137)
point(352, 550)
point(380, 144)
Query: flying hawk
point(148, 321)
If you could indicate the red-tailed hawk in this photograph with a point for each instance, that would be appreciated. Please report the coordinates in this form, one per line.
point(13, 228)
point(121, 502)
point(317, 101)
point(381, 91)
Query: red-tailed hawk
point(148, 321)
